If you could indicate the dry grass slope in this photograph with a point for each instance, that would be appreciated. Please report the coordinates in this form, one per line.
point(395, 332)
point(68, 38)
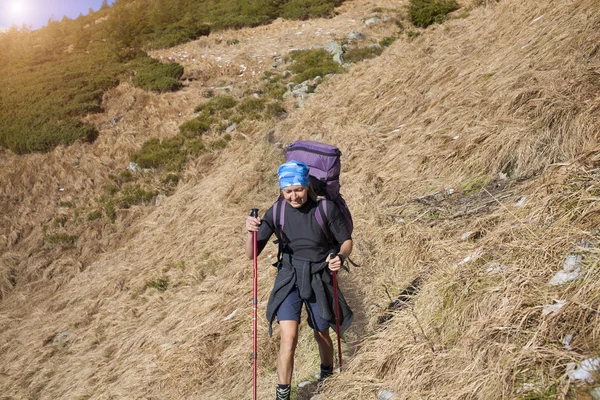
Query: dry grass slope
point(140, 313)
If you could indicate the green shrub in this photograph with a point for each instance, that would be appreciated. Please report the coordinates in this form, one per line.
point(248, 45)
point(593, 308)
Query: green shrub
point(216, 104)
point(160, 284)
point(195, 147)
point(171, 179)
point(399, 24)
point(275, 110)
point(218, 144)
point(305, 9)
point(197, 126)
point(110, 211)
point(156, 154)
point(423, 13)
point(387, 41)
point(251, 107)
point(172, 35)
point(309, 64)
point(413, 34)
point(94, 215)
point(362, 53)
point(111, 189)
point(135, 195)
point(159, 77)
point(232, 42)
point(60, 221)
point(60, 239)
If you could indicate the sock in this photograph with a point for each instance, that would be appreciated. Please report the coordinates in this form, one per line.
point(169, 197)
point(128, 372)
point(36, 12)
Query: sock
point(326, 372)
point(283, 392)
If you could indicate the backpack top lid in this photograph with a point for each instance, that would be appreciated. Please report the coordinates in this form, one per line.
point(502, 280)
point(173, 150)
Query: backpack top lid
point(324, 163)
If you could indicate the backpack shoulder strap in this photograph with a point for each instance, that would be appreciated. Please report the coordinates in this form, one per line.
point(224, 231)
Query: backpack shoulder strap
point(322, 219)
point(279, 216)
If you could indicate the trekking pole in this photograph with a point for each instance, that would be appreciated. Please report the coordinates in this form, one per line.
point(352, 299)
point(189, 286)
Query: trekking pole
point(254, 214)
point(333, 254)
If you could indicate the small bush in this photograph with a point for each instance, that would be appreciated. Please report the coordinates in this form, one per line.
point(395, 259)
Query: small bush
point(171, 179)
point(110, 189)
point(156, 154)
point(413, 34)
point(216, 104)
point(110, 211)
point(60, 239)
point(305, 9)
point(196, 127)
point(160, 284)
point(423, 13)
point(135, 195)
point(275, 110)
point(309, 64)
point(159, 77)
point(195, 147)
point(60, 221)
point(387, 41)
point(232, 42)
point(218, 144)
point(399, 24)
point(251, 107)
point(94, 215)
point(362, 53)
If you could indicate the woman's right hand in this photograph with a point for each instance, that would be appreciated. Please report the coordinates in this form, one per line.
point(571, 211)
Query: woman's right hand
point(252, 224)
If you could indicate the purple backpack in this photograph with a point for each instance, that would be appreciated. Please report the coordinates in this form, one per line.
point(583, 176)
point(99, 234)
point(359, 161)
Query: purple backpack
point(324, 163)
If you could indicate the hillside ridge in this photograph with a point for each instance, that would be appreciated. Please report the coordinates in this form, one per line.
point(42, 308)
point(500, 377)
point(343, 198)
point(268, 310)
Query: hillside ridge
point(470, 163)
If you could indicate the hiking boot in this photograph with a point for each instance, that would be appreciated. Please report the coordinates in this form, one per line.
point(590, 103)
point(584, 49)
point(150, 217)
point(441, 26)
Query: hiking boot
point(326, 372)
point(283, 392)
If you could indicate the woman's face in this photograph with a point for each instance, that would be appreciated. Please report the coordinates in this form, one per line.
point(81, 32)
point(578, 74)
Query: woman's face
point(295, 195)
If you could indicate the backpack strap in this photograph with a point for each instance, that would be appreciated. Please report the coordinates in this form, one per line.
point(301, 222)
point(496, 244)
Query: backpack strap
point(321, 212)
point(322, 218)
point(278, 223)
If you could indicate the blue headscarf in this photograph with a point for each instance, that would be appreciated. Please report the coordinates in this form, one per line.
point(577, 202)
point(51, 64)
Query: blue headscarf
point(293, 173)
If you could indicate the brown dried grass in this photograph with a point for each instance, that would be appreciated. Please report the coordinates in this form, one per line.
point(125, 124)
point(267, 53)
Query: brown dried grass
point(85, 323)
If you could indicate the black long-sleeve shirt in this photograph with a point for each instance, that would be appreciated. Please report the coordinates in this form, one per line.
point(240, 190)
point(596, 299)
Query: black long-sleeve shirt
point(305, 238)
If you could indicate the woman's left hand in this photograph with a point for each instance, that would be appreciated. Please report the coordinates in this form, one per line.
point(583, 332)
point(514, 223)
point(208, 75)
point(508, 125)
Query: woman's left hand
point(334, 263)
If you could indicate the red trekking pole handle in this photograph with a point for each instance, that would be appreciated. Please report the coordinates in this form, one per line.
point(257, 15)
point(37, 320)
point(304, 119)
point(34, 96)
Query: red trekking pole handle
point(333, 254)
point(254, 213)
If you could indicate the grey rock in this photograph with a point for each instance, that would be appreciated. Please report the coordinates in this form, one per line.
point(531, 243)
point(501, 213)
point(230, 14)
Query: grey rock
point(116, 119)
point(159, 199)
point(133, 166)
point(374, 46)
point(372, 21)
point(584, 371)
point(595, 393)
point(385, 395)
point(336, 49)
point(338, 58)
point(567, 340)
point(385, 18)
point(572, 269)
point(553, 308)
point(231, 128)
point(355, 35)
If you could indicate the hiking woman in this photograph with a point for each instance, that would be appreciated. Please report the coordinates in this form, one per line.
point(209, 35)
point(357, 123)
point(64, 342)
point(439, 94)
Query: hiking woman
point(304, 269)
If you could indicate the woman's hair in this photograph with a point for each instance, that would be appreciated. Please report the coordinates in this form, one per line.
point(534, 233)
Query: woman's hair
point(311, 193)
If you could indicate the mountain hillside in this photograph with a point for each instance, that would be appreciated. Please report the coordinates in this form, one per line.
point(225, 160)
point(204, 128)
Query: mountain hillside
point(470, 163)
